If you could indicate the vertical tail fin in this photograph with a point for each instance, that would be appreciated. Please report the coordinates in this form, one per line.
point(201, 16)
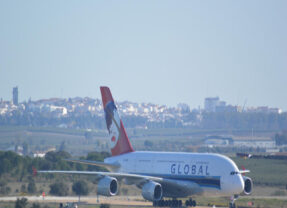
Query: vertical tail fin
point(119, 142)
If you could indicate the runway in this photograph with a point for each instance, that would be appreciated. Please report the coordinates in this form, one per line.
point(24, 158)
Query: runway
point(119, 201)
point(116, 200)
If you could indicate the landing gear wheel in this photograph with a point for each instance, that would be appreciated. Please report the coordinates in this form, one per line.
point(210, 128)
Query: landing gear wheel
point(167, 203)
point(232, 205)
point(194, 203)
point(154, 203)
point(190, 202)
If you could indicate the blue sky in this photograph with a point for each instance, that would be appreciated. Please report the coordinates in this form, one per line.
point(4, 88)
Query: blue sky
point(162, 52)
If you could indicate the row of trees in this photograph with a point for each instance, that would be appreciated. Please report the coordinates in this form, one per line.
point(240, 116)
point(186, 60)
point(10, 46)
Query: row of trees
point(19, 168)
point(16, 168)
point(222, 120)
point(60, 188)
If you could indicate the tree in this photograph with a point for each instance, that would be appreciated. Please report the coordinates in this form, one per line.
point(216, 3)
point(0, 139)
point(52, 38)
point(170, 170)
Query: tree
point(80, 188)
point(57, 156)
point(4, 189)
point(25, 148)
point(23, 188)
point(62, 146)
point(32, 187)
point(21, 203)
point(97, 156)
point(36, 205)
point(59, 189)
point(104, 206)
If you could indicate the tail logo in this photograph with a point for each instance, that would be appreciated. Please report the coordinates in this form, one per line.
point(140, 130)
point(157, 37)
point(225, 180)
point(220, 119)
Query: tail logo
point(119, 141)
point(113, 122)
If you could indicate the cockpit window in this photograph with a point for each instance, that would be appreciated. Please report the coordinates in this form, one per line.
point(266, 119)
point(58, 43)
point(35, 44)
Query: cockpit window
point(234, 173)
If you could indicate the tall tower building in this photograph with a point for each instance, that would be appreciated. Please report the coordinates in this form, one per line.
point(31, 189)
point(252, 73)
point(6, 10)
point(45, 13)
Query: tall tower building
point(210, 104)
point(15, 95)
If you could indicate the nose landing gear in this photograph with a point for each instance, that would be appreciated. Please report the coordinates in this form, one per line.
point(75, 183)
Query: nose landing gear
point(232, 201)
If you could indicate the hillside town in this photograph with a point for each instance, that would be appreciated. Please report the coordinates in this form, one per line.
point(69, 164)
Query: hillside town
point(60, 111)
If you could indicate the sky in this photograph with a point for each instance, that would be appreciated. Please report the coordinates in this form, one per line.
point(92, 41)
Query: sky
point(163, 52)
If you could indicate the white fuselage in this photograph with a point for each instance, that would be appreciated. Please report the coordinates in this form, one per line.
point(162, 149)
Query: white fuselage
point(211, 172)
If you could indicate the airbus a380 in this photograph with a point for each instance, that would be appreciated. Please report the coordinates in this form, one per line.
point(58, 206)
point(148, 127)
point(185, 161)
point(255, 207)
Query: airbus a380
point(162, 175)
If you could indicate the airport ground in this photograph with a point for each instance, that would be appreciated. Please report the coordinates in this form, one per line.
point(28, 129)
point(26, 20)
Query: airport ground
point(137, 201)
point(269, 175)
point(77, 143)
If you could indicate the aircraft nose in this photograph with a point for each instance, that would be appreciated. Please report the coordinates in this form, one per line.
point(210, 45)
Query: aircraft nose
point(240, 183)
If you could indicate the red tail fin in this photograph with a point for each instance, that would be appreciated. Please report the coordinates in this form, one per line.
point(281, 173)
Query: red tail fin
point(119, 142)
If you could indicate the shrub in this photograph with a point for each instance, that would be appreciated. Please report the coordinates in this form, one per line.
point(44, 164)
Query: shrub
point(104, 206)
point(21, 203)
point(59, 189)
point(32, 187)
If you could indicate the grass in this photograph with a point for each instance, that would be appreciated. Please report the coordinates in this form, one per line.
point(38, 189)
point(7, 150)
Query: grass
point(243, 201)
point(40, 138)
point(264, 203)
point(265, 171)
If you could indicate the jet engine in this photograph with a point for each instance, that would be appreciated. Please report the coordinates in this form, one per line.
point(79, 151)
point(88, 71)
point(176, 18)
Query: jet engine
point(248, 185)
point(152, 191)
point(108, 186)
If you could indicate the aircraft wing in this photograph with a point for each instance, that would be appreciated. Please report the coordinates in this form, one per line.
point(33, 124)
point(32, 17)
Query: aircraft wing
point(133, 178)
point(169, 185)
point(95, 163)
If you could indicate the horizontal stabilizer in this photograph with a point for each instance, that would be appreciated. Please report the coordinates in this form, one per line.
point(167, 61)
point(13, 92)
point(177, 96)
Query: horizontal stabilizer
point(244, 171)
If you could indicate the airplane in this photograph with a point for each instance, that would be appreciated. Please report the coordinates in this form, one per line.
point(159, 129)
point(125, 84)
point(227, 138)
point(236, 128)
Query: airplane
point(162, 175)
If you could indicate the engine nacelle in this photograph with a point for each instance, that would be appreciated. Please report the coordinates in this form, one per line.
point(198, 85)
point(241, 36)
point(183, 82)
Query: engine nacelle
point(248, 185)
point(152, 191)
point(108, 186)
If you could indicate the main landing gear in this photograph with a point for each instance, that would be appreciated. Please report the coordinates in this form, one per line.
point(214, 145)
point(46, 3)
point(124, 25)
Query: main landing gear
point(190, 202)
point(167, 203)
point(174, 203)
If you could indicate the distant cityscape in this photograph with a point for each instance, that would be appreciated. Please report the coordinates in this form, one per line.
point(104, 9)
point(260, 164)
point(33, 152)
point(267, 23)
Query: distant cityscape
point(87, 114)
point(214, 104)
point(144, 114)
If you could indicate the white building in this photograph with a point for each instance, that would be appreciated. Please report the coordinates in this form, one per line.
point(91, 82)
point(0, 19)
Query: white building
point(268, 144)
point(211, 103)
